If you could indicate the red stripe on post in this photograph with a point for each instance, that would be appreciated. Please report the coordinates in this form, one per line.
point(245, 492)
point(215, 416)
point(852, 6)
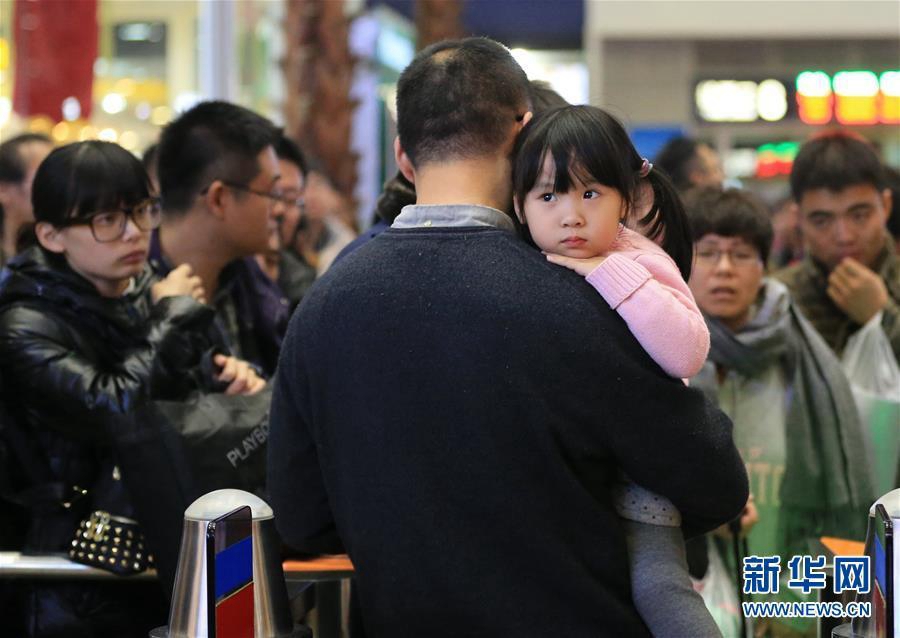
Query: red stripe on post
point(234, 615)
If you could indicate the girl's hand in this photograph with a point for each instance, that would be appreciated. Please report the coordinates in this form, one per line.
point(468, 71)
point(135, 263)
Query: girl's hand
point(240, 375)
point(181, 281)
point(582, 266)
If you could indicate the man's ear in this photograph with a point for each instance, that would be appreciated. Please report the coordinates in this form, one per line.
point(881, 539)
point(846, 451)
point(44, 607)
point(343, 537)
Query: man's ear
point(5, 192)
point(48, 237)
point(215, 199)
point(525, 119)
point(403, 162)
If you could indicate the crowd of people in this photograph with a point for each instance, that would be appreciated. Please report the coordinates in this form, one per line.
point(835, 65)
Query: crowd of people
point(548, 362)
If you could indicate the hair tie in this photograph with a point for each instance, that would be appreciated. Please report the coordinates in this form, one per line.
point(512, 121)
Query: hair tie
point(646, 167)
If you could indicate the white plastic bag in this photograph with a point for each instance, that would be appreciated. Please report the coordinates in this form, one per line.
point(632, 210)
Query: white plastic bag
point(870, 363)
point(874, 375)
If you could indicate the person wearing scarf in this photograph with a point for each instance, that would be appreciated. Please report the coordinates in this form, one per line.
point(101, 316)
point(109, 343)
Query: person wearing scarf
point(827, 483)
point(795, 421)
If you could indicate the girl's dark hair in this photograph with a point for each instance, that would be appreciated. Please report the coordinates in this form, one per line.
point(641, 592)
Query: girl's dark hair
point(588, 143)
point(79, 179)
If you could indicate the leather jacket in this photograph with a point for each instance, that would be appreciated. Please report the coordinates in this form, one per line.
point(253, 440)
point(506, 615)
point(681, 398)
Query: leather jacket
point(69, 357)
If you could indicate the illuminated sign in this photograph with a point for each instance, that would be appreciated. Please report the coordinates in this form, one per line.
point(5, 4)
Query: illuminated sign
point(771, 100)
point(848, 97)
point(815, 100)
point(856, 97)
point(773, 160)
point(890, 97)
point(741, 100)
point(851, 97)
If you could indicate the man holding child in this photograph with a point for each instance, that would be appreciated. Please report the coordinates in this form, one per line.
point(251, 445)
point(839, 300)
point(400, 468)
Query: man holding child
point(453, 411)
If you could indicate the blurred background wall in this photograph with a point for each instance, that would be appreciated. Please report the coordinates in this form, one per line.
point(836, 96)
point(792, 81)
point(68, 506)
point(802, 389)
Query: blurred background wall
point(752, 78)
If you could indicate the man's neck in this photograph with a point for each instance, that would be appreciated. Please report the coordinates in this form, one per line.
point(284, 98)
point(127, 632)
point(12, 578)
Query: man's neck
point(12, 226)
point(183, 242)
point(8, 244)
point(481, 181)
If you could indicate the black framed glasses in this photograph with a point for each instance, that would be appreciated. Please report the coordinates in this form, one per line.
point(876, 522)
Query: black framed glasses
point(107, 226)
point(274, 197)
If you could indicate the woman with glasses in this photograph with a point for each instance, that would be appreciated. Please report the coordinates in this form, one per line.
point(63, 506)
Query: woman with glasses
point(86, 333)
point(795, 421)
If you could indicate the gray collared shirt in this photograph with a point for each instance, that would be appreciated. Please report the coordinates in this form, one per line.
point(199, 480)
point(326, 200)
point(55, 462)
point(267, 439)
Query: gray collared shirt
point(452, 215)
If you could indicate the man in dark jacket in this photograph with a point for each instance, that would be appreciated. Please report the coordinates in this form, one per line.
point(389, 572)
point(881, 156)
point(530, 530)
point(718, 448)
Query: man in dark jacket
point(464, 458)
point(851, 274)
point(219, 182)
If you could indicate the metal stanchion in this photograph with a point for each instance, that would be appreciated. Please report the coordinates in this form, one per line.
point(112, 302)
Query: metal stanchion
point(192, 600)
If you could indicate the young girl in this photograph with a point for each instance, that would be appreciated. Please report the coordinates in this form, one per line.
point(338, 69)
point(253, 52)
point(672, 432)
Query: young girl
point(577, 179)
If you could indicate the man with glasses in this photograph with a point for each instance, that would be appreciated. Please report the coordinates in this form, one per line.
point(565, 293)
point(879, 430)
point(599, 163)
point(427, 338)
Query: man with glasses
point(293, 274)
point(222, 198)
point(851, 274)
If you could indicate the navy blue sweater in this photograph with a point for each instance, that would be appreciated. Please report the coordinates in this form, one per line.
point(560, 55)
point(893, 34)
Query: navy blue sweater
point(453, 410)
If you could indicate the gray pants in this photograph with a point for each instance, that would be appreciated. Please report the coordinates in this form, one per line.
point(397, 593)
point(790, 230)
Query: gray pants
point(661, 586)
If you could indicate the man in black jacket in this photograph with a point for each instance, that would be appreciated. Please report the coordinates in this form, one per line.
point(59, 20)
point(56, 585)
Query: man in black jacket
point(221, 192)
point(452, 410)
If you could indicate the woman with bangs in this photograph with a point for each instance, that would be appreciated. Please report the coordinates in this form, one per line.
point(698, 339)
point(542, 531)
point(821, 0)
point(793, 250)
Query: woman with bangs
point(86, 333)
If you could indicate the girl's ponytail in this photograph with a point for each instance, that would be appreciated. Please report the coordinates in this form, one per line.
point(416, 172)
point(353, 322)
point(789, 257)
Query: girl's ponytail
point(668, 218)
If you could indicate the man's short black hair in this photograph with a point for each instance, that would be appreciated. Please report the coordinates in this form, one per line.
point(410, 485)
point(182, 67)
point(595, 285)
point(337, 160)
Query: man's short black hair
point(212, 140)
point(730, 213)
point(457, 100)
point(12, 166)
point(835, 160)
point(677, 158)
point(287, 149)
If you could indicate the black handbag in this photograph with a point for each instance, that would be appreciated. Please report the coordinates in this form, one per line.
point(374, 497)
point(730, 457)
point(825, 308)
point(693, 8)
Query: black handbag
point(113, 543)
point(191, 447)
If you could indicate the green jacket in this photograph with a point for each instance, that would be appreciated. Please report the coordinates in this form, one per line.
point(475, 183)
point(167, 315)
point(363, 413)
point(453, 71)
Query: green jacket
point(808, 282)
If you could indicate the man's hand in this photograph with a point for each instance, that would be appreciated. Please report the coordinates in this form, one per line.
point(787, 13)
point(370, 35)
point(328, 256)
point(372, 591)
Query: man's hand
point(181, 281)
point(582, 266)
point(856, 290)
point(240, 375)
point(749, 518)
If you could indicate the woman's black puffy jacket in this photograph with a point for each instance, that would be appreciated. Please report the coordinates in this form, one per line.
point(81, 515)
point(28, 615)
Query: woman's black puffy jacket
point(69, 359)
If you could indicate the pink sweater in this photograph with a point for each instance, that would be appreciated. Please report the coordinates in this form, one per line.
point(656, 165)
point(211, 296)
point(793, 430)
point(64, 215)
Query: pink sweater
point(642, 283)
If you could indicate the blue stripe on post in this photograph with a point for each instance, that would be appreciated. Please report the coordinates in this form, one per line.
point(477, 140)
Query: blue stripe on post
point(234, 567)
